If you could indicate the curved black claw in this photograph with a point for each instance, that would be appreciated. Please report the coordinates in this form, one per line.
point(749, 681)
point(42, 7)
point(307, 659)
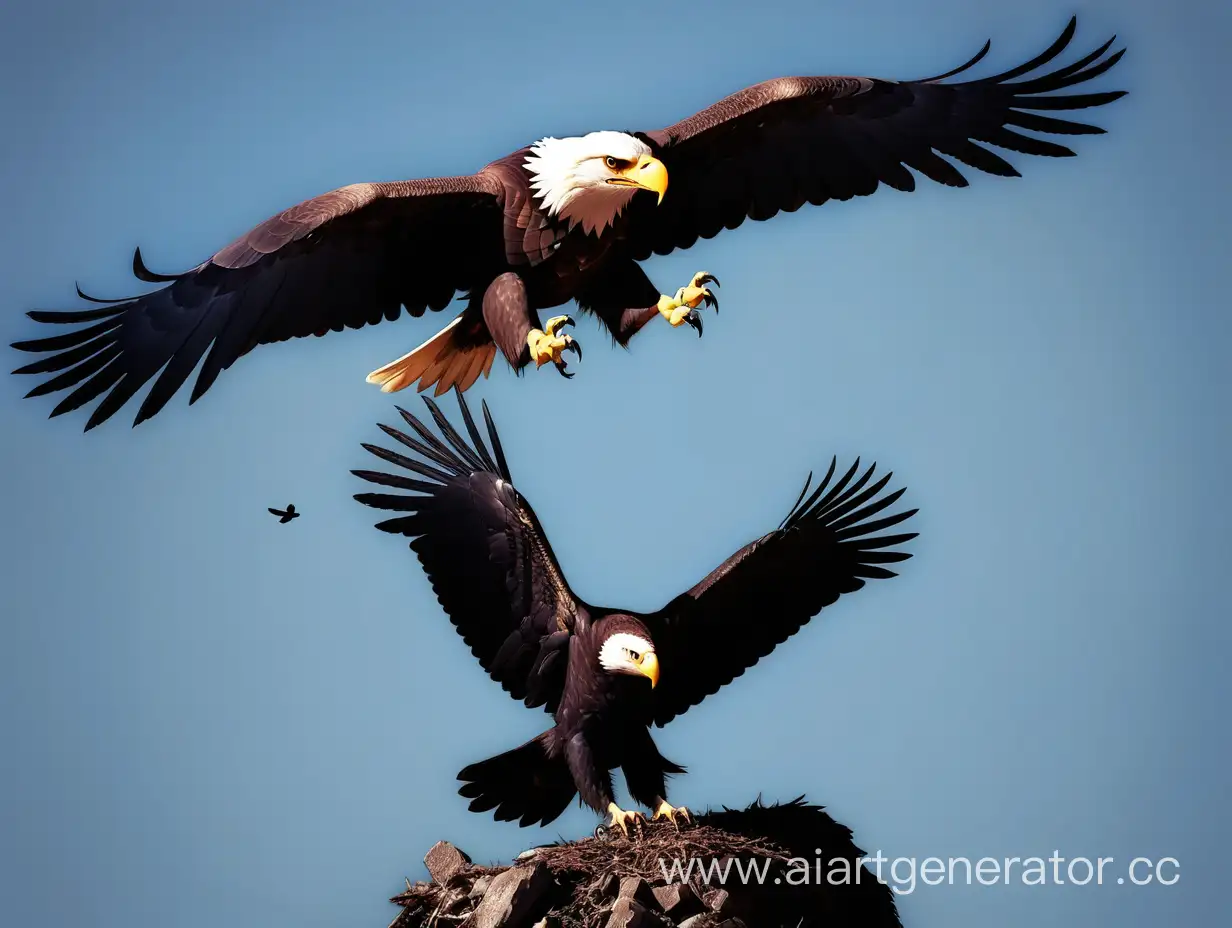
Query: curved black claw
point(568, 320)
point(708, 279)
point(560, 366)
point(709, 299)
point(694, 318)
point(575, 346)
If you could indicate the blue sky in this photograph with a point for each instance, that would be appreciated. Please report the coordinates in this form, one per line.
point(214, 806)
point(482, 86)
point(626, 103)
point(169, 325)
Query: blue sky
point(210, 718)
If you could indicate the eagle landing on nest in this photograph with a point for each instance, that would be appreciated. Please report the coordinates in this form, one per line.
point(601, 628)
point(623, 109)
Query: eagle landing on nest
point(607, 675)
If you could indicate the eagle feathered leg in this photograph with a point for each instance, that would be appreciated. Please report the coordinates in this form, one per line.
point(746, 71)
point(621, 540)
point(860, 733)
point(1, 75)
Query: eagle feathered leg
point(682, 308)
point(594, 784)
point(548, 345)
point(646, 772)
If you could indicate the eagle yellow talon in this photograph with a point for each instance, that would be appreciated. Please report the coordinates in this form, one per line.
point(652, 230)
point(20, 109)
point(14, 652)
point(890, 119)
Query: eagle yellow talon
point(672, 813)
point(548, 345)
point(622, 819)
point(682, 308)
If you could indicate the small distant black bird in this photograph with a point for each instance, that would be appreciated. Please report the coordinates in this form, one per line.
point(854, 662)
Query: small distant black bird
point(597, 670)
point(285, 516)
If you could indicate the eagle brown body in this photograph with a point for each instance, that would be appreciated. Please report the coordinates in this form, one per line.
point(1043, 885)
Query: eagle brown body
point(607, 675)
point(524, 235)
point(602, 724)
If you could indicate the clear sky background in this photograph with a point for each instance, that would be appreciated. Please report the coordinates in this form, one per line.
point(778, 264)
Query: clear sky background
point(212, 719)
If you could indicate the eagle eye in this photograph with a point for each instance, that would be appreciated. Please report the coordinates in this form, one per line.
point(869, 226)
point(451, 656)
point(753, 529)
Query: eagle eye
point(633, 654)
point(612, 162)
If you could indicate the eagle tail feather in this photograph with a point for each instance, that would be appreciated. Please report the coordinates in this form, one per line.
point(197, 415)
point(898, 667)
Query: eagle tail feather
point(531, 784)
point(444, 360)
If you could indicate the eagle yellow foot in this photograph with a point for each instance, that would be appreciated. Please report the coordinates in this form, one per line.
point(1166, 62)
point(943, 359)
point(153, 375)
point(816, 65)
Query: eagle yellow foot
point(674, 814)
point(622, 819)
point(682, 308)
point(548, 345)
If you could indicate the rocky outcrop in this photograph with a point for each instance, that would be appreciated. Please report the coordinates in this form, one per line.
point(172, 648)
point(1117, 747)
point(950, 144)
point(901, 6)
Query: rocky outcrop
point(742, 877)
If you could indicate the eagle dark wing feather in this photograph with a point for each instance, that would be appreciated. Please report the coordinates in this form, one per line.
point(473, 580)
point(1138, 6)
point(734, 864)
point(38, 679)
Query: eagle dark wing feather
point(764, 593)
point(348, 258)
point(780, 144)
point(484, 552)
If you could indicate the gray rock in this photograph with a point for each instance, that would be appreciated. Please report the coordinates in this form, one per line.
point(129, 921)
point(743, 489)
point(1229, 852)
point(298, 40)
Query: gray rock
point(638, 890)
point(444, 861)
point(627, 913)
point(718, 900)
point(678, 900)
point(513, 898)
point(480, 887)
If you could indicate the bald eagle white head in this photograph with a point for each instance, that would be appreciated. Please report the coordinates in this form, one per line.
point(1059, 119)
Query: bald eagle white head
point(624, 652)
point(588, 180)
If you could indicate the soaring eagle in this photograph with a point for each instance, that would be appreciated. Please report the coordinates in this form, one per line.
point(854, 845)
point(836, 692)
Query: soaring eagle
point(607, 675)
point(562, 219)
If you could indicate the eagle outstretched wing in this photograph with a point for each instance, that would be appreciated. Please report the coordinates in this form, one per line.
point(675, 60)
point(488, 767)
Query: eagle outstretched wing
point(764, 593)
point(347, 258)
point(782, 143)
point(484, 552)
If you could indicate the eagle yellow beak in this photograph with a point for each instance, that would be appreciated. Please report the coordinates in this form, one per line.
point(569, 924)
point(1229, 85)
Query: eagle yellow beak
point(648, 174)
point(648, 666)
